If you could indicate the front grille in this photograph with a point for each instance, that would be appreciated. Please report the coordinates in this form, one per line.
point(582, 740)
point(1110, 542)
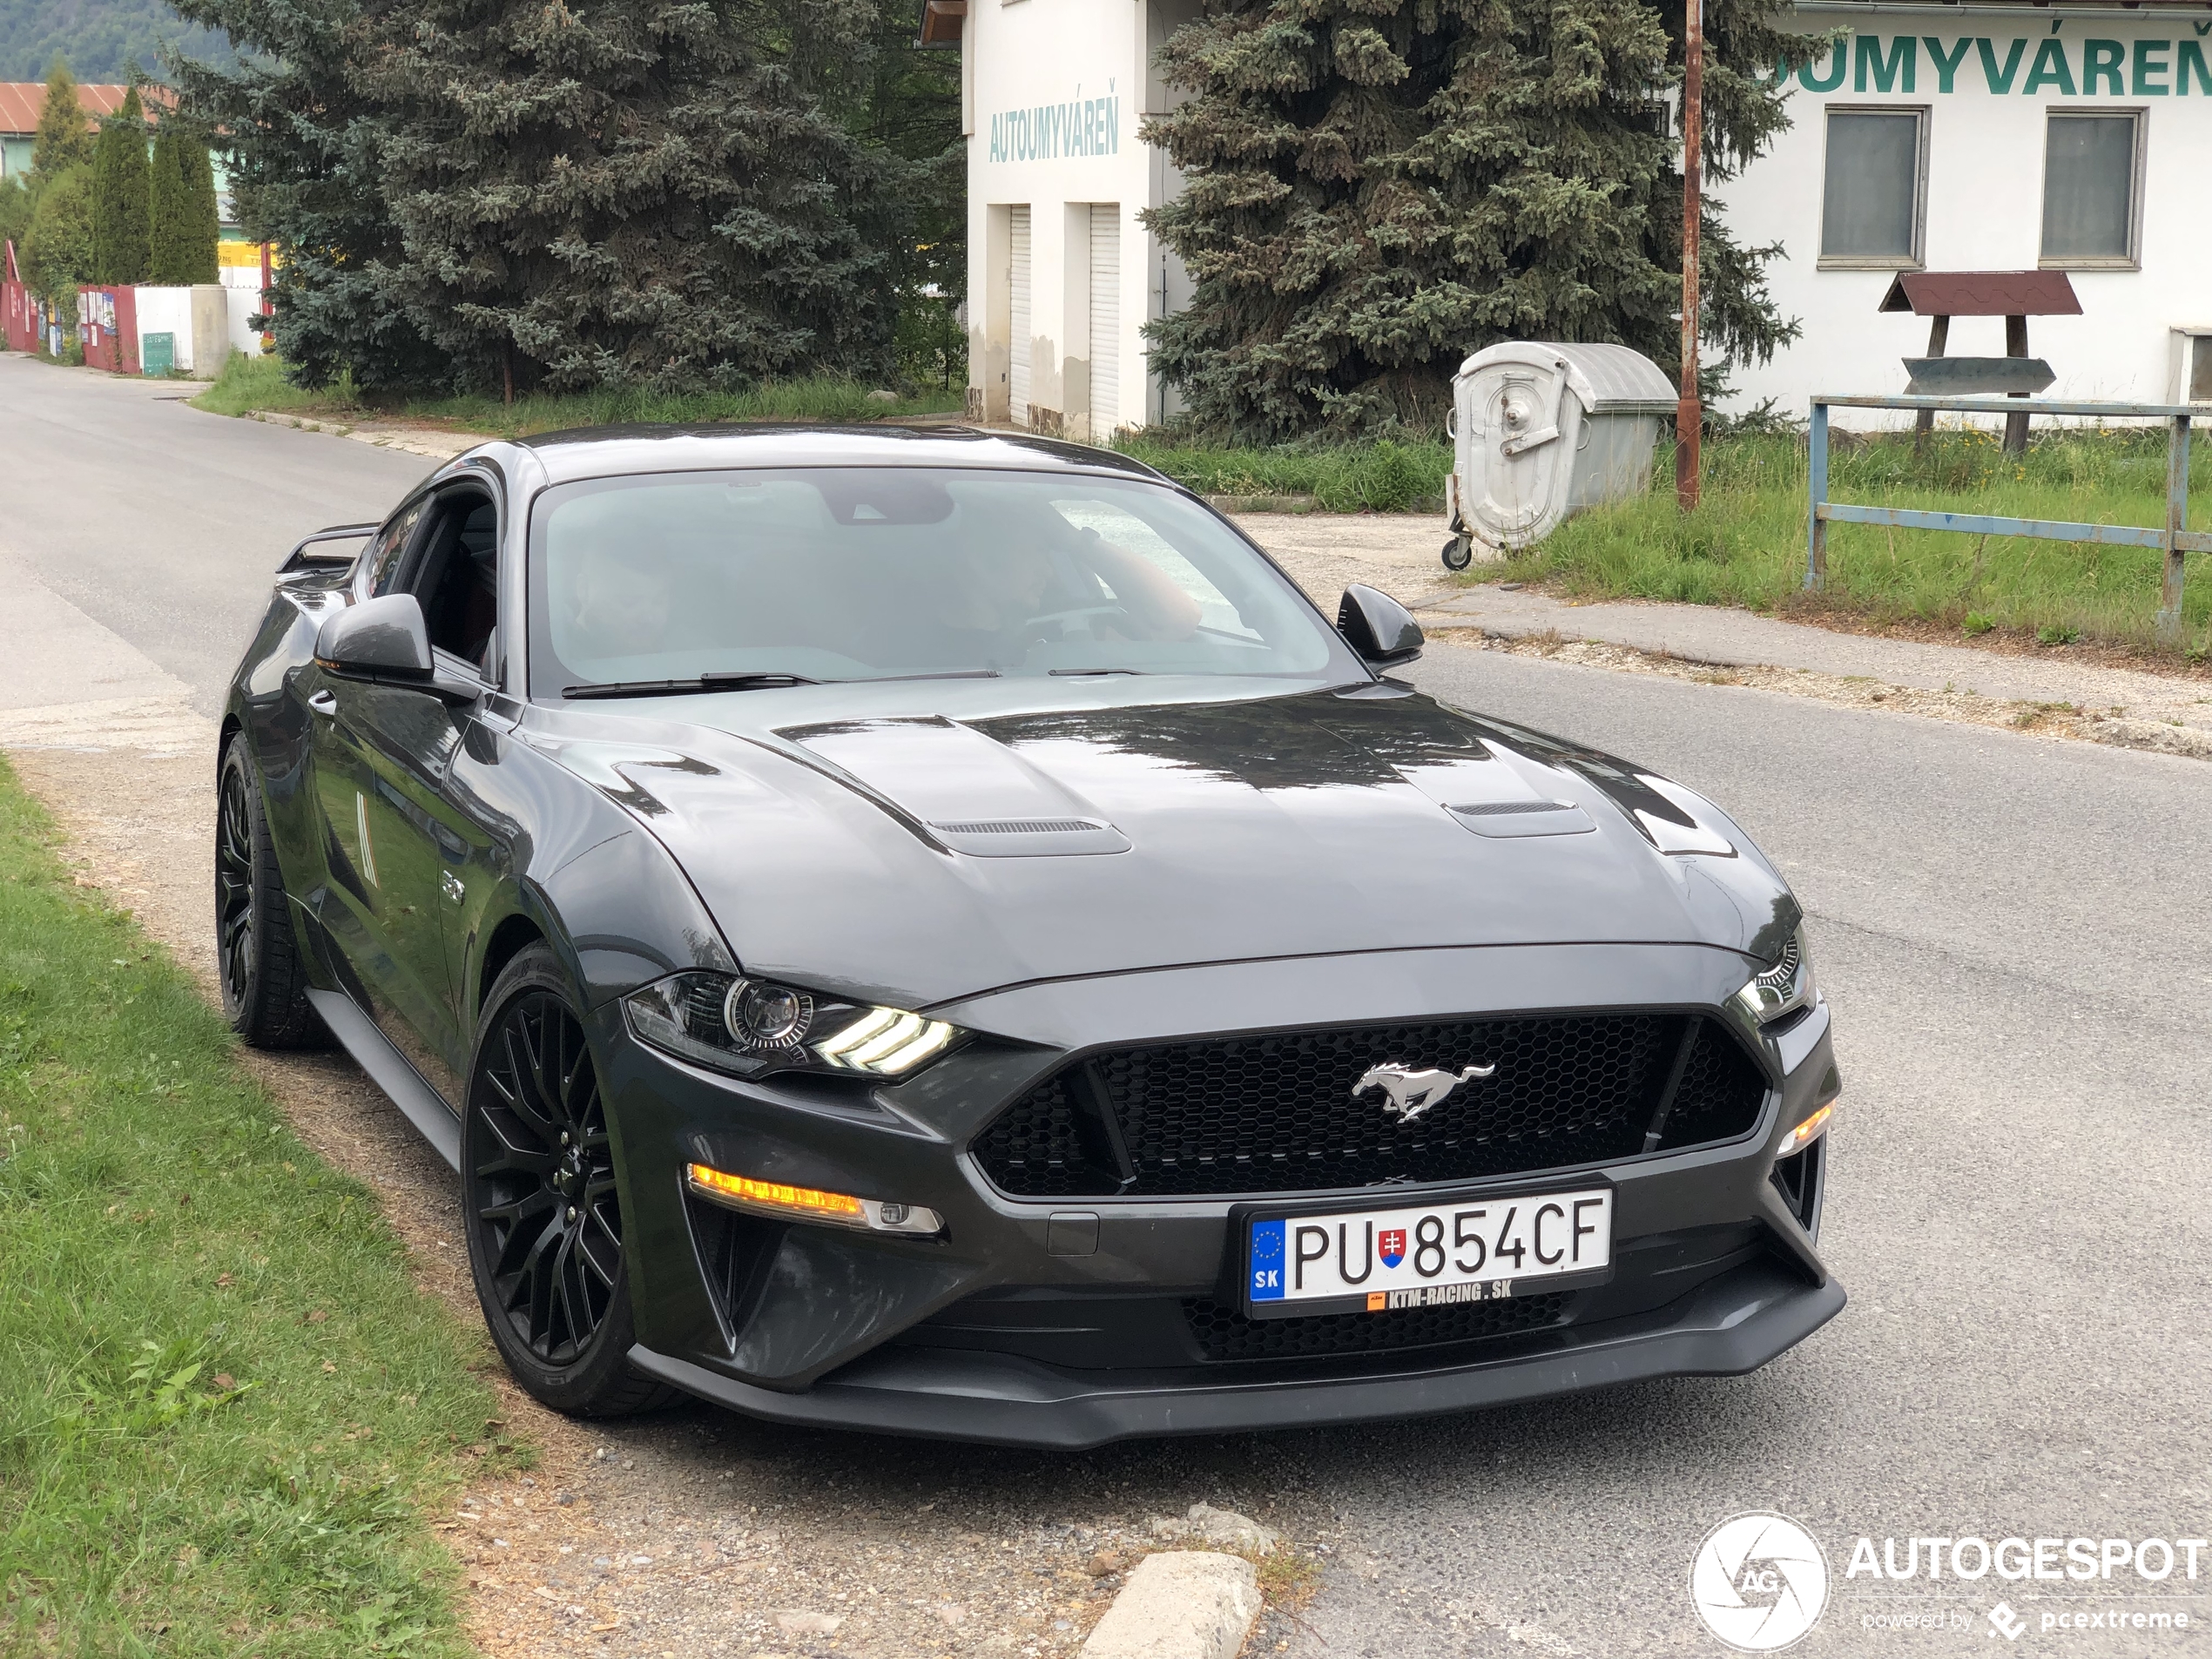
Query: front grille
point(1709, 1106)
point(1223, 1332)
point(1276, 1113)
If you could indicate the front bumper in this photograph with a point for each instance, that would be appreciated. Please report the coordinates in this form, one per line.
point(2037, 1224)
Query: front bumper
point(999, 1332)
point(1727, 1326)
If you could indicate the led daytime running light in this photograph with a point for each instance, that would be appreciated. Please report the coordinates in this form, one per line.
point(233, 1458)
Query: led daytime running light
point(809, 1204)
point(1807, 1132)
point(887, 1041)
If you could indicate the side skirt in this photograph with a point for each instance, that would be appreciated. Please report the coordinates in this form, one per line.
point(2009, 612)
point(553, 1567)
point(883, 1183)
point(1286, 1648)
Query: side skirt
point(388, 1069)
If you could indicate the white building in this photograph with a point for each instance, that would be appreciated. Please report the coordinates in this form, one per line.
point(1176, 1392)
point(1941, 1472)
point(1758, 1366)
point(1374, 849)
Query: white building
point(1941, 137)
point(1061, 275)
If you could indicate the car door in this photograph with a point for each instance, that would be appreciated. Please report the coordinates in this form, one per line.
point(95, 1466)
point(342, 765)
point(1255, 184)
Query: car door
point(395, 842)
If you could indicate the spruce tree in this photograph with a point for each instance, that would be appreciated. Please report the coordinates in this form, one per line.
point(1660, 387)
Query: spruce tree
point(121, 189)
point(65, 137)
point(631, 192)
point(305, 149)
point(1376, 188)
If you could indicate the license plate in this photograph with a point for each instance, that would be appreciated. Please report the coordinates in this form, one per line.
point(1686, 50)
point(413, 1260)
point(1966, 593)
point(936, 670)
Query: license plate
point(1435, 1255)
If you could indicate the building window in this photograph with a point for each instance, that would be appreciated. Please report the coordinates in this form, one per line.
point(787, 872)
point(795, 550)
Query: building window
point(1874, 199)
point(2093, 188)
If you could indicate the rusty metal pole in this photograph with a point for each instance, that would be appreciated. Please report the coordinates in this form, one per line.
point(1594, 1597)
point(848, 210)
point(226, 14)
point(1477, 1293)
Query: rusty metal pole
point(1690, 415)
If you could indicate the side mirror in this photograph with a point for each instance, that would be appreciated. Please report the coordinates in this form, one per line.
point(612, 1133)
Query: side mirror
point(1378, 627)
point(377, 639)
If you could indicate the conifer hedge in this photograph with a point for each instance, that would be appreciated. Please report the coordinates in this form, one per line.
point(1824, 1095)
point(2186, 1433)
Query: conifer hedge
point(121, 184)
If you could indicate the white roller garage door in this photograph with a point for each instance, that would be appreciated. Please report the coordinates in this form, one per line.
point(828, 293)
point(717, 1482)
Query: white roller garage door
point(1105, 318)
point(1017, 373)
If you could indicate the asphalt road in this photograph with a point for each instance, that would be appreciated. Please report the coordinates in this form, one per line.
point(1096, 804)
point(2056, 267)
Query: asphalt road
point(163, 522)
point(2014, 935)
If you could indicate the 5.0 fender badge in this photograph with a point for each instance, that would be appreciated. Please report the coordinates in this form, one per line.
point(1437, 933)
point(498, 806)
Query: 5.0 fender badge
point(1409, 1093)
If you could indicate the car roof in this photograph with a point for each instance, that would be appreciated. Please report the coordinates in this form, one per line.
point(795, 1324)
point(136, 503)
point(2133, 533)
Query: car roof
point(620, 451)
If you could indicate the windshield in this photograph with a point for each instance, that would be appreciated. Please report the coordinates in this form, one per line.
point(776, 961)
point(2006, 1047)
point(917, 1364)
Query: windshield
point(873, 573)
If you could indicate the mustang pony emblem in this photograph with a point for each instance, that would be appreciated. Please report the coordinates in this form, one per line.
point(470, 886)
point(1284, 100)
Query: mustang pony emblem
point(1411, 1093)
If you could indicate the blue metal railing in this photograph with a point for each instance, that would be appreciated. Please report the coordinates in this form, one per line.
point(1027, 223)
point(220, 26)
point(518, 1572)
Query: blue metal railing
point(2175, 539)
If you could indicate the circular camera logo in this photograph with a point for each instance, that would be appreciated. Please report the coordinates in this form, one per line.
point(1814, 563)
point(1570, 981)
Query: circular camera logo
point(1759, 1582)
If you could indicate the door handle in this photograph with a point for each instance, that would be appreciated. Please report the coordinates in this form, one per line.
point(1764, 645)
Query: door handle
point(324, 703)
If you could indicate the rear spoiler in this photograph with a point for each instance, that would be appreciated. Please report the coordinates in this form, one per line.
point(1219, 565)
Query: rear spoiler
point(302, 558)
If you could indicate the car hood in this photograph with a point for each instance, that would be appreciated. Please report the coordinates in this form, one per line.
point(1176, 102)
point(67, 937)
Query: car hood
point(920, 858)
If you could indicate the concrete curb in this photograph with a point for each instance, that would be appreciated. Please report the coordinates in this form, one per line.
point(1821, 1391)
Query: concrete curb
point(1180, 1604)
point(432, 445)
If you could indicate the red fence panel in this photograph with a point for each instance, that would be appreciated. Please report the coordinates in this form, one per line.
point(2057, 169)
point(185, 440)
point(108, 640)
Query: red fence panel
point(108, 323)
point(20, 316)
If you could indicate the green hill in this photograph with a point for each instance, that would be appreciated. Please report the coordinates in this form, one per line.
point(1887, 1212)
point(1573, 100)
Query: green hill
point(101, 39)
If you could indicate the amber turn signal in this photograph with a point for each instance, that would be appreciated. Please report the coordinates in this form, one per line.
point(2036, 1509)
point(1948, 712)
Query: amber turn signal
point(1807, 1132)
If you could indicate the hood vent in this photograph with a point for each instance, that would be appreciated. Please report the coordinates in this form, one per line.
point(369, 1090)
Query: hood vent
point(1512, 819)
point(1028, 838)
point(1017, 826)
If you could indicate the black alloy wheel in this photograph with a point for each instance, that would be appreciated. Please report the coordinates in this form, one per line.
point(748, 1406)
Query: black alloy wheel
point(256, 954)
point(234, 915)
point(544, 1213)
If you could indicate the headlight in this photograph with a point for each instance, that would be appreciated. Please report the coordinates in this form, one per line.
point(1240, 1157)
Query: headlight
point(1785, 987)
point(748, 1027)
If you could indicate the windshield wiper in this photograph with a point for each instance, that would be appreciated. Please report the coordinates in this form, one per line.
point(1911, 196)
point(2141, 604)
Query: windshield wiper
point(1070, 674)
point(942, 674)
point(737, 682)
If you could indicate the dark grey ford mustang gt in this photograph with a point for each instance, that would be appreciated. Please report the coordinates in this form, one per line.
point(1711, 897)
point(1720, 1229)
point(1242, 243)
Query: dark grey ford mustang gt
point(927, 931)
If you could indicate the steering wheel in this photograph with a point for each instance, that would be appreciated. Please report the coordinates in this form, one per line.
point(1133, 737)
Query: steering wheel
point(1078, 614)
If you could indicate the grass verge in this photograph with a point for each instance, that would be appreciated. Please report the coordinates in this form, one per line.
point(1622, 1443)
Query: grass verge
point(248, 384)
point(1746, 544)
point(223, 1403)
point(1387, 476)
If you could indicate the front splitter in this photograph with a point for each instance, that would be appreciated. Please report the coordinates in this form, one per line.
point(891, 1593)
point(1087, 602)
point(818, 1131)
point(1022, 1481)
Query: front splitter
point(1732, 1325)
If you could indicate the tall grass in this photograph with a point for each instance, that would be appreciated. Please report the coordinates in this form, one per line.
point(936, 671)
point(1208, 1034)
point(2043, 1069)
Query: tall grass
point(1390, 476)
point(1746, 544)
point(250, 384)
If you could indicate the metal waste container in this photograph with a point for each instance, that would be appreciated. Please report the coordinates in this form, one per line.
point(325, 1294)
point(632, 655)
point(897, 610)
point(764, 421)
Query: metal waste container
point(1541, 431)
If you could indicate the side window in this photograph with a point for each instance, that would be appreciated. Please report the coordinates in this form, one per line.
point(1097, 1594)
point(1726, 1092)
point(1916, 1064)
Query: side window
point(390, 547)
point(457, 578)
point(1873, 193)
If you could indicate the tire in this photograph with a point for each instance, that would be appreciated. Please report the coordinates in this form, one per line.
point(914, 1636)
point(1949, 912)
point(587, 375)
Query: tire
point(540, 1205)
point(257, 953)
point(1458, 553)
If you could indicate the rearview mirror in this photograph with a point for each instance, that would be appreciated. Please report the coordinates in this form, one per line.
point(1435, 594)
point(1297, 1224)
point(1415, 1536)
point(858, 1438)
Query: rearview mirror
point(1378, 627)
point(377, 639)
